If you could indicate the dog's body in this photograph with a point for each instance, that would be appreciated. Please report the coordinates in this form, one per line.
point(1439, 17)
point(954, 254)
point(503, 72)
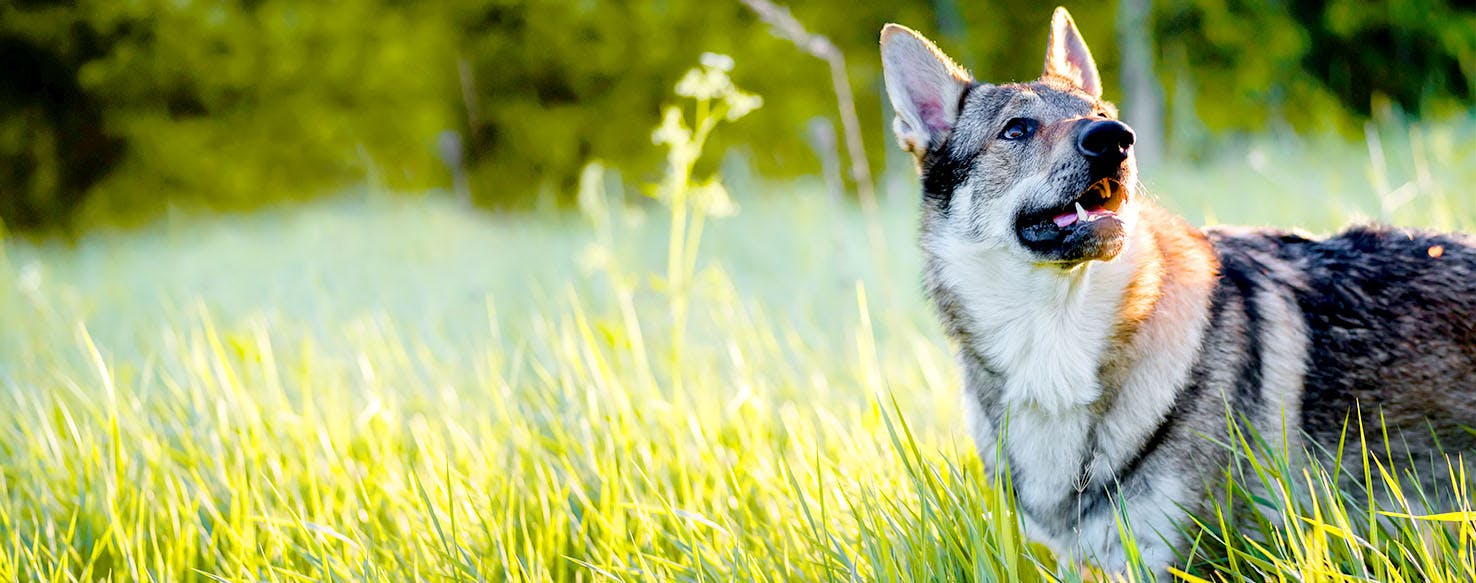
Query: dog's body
point(1108, 348)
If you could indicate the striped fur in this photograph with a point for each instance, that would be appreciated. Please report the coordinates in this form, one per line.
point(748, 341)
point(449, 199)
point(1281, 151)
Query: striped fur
point(1105, 372)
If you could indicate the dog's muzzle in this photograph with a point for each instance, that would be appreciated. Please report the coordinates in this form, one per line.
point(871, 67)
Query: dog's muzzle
point(1086, 225)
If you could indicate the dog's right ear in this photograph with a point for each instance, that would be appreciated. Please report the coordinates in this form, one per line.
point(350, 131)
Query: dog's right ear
point(1067, 56)
point(924, 85)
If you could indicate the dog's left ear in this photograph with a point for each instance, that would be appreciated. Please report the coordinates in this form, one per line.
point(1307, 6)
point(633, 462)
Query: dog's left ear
point(1067, 56)
point(925, 87)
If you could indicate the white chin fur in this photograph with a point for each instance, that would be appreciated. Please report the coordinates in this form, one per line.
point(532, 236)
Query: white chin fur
point(1044, 327)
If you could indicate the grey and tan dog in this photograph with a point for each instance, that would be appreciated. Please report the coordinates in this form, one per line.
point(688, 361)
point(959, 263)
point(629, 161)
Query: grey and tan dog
point(1104, 342)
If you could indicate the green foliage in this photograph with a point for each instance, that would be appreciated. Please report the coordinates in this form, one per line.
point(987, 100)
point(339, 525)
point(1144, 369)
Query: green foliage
point(1318, 65)
point(560, 83)
point(229, 104)
point(251, 103)
point(115, 110)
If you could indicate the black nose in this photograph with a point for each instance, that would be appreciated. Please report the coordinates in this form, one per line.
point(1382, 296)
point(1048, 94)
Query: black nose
point(1105, 142)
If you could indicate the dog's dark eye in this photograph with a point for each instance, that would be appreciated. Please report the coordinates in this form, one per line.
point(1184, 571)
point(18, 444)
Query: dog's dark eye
point(1018, 129)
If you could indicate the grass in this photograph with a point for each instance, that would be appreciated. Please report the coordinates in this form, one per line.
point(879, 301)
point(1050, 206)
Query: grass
point(393, 388)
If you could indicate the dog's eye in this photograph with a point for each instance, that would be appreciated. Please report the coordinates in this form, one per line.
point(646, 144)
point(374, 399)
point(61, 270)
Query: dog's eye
point(1018, 129)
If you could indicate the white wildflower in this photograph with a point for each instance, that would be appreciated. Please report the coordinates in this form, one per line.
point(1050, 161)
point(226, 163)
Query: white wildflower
point(673, 131)
point(717, 61)
point(741, 102)
point(713, 200)
point(704, 83)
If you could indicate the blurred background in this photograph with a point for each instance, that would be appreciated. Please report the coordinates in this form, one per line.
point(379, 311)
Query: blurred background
point(116, 112)
point(286, 286)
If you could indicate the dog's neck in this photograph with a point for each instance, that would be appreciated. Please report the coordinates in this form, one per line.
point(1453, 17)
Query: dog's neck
point(1067, 339)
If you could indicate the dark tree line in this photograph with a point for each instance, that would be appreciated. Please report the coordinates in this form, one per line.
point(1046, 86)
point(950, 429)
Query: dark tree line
point(115, 110)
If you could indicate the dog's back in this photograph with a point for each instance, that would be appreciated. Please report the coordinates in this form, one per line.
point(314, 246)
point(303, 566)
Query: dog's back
point(1389, 318)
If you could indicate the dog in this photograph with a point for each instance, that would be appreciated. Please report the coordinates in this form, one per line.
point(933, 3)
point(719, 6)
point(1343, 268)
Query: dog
point(1104, 342)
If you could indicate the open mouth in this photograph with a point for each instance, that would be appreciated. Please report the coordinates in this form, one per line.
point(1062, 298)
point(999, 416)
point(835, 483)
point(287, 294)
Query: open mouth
point(1098, 201)
point(1086, 227)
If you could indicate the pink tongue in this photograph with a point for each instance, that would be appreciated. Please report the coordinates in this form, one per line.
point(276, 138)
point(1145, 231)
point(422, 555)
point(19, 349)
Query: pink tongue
point(1067, 219)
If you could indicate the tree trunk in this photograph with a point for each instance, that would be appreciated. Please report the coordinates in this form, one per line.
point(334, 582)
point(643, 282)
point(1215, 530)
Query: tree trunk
point(1142, 95)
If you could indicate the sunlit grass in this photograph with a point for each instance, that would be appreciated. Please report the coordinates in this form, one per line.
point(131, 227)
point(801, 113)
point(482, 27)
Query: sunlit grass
point(391, 388)
point(271, 443)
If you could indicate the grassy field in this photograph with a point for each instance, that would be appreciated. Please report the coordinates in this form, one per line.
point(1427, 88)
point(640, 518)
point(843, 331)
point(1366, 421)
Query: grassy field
point(392, 388)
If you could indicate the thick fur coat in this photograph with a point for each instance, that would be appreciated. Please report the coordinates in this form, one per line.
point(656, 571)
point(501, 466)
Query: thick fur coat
point(1108, 347)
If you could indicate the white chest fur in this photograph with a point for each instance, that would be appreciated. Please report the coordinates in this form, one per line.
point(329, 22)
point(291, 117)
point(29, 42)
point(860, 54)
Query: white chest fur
point(1044, 331)
point(1042, 328)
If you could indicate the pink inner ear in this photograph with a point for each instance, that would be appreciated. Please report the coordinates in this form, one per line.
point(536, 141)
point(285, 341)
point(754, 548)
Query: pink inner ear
point(1077, 56)
point(932, 115)
point(1068, 57)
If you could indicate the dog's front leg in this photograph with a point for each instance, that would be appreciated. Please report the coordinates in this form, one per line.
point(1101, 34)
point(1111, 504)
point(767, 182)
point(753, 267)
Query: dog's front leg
point(1148, 520)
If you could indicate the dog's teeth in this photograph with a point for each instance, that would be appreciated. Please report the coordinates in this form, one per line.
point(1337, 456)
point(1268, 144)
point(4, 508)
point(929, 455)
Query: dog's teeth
point(1081, 213)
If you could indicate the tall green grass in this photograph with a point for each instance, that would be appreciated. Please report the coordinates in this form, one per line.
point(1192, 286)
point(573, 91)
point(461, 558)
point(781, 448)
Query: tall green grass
point(394, 388)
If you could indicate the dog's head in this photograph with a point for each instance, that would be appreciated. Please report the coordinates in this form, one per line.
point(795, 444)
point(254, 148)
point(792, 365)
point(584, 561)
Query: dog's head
point(1043, 169)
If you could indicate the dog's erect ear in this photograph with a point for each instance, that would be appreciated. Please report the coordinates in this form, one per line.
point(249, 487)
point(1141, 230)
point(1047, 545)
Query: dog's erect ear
point(924, 85)
point(1067, 56)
